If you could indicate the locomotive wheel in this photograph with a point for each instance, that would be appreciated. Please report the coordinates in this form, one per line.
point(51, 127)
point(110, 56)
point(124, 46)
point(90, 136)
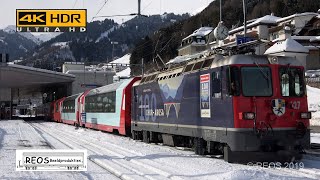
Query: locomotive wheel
point(134, 135)
point(146, 136)
point(199, 146)
point(227, 154)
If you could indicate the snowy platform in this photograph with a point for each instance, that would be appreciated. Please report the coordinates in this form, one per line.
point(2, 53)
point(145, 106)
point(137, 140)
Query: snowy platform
point(113, 157)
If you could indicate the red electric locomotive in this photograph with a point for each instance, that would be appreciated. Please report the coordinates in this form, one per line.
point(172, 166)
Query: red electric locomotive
point(243, 106)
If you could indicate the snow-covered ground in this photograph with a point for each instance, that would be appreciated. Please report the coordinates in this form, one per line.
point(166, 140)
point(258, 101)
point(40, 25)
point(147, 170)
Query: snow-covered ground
point(315, 138)
point(314, 104)
point(113, 157)
point(20, 135)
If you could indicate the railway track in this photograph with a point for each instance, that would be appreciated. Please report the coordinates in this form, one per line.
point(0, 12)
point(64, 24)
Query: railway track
point(315, 146)
point(41, 132)
point(113, 160)
point(314, 150)
point(127, 164)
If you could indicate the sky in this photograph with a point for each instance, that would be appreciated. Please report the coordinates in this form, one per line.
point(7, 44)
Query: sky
point(112, 7)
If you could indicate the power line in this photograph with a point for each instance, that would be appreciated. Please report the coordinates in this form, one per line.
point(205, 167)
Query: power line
point(74, 4)
point(132, 14)
point(105, 2)
point(147, 5)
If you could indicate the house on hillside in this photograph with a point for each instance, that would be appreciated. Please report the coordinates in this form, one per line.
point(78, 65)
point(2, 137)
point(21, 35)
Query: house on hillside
point(196, 42)
point(256, 29)
point(304, 28)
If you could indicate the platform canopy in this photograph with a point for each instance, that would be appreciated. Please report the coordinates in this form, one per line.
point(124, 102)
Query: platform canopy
point(15, 76)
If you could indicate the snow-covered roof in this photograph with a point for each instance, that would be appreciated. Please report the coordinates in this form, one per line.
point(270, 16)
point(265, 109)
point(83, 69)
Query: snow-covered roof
point(123, 60)
point(267, 19)
point(203, 31)
point(179, 59)
point(288, 45)
point(313, 39)
point(304, 37)
point(125, 72)
point(297, 15)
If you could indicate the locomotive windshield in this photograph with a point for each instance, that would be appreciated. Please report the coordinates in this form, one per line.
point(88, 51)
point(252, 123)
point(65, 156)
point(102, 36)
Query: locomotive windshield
point(291, 82)
point(256, 81)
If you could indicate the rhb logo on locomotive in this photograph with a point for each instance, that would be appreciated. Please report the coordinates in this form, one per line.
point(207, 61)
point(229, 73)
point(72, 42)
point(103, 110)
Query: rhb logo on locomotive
point(279, 106)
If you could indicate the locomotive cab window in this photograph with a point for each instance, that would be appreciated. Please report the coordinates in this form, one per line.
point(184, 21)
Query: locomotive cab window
point(216, 84)
point(291, 82)
point(256, 81)
point(233, 81)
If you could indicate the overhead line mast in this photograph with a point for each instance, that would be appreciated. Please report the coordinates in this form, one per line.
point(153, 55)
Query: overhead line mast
point(139, 7)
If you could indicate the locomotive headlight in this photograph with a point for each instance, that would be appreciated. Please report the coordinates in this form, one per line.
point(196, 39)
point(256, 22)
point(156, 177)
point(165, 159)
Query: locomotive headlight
point(247, 115)
point(305, 115)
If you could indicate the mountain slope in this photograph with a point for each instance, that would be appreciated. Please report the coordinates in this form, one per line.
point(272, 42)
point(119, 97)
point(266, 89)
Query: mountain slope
point(15, 44)
point(95, 45)
point(166, 40)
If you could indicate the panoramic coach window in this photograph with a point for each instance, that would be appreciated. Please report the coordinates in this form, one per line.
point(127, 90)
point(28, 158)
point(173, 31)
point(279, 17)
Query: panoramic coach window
point(105, 102)
point(256, 81)
point(233, 82)
point(68, 106)
point(291, 81)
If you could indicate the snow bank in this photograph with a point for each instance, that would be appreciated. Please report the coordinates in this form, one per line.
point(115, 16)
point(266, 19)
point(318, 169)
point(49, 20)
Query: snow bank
point(314, 105)
point(315, 138)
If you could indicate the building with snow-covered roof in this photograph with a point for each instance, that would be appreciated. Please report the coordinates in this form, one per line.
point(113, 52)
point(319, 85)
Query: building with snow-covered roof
point(196, 42)
point(87, 77)
point(119, 64)
point(256, 29)
point(291, 48)
point(298, 21)
point(304, 28)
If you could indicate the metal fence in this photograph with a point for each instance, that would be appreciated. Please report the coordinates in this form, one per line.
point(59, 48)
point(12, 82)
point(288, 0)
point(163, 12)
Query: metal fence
point(314, 82)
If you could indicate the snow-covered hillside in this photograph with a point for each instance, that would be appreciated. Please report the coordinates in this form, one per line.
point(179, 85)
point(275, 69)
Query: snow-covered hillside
point(106, 33)
point(38, 38)
point(12, 29)
point(62, 51)
point(46, 36)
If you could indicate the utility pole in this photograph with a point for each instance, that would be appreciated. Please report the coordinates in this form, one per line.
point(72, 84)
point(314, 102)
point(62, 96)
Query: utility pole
point(220, 12)
point(244, 17)
point(113, 43)
point(139, 8)
point(142, 67)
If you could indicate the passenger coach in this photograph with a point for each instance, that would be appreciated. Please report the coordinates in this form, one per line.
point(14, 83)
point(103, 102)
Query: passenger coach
point(108, 108)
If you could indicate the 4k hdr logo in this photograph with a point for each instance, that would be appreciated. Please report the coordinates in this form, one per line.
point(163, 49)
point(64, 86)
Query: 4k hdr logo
point(47, 20)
